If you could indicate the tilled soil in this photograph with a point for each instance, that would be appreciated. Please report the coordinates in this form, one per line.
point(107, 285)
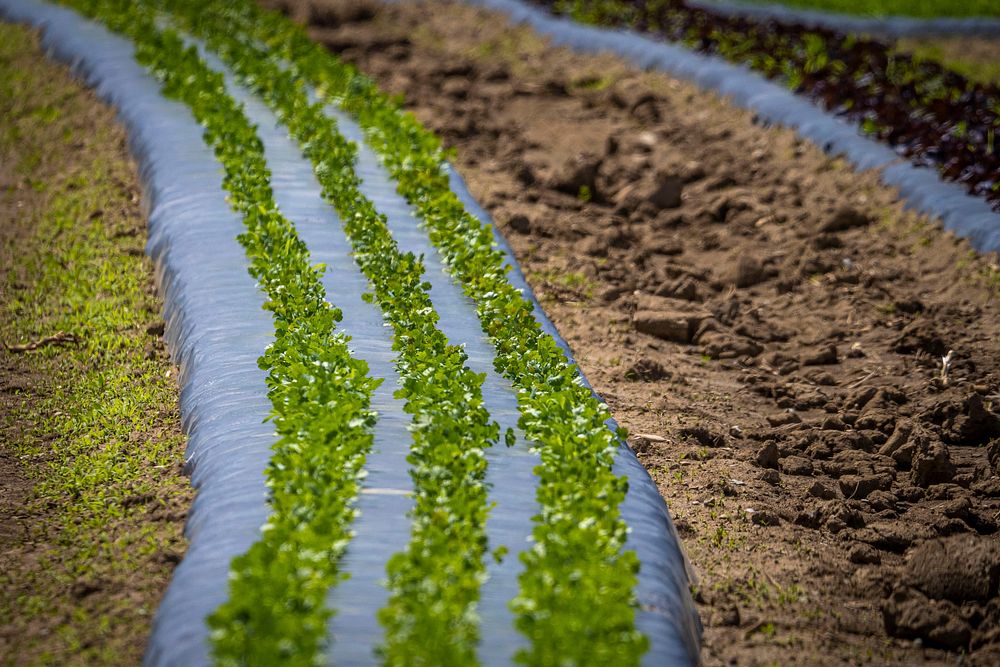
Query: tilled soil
point(809, 373)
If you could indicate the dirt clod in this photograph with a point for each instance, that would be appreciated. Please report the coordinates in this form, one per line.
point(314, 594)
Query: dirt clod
point(957, 568)
point(647, 370)
point(910, 615)
point(826, 354)
point(822, 491)
point(577, 173)
point(864, 554)
point(860, 487)
point(767, 456)
point(932, 464)
point(796, 465)
point(666, 193)
point(844, 219)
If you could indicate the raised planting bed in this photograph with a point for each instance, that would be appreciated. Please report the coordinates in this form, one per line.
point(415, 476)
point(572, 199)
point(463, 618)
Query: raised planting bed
point(486, 268)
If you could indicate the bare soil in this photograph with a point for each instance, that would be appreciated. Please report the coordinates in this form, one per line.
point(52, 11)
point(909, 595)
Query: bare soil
point(769, 324)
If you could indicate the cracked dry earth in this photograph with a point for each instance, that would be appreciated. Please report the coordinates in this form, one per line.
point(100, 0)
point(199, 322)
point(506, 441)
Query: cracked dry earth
point(769, 325)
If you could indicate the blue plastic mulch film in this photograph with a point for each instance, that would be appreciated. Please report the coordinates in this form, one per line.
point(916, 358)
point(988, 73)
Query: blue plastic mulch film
point(921, 188)
point(216, 329)
point(886, 26)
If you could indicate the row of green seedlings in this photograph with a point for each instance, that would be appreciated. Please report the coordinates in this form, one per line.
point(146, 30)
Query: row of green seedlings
point(576, 602)
point(431, 615)
point(276, 615)
point(320, 394)
point(435, 583)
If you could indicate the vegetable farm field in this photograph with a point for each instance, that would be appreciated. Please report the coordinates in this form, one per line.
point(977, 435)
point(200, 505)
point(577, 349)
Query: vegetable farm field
point(462, 343)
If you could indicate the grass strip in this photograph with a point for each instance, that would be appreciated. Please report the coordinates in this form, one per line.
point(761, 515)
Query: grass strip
point(576, 603)
point(431, 615)
point(975, 58)
point(918, 8)
point(320, 394)
point(91, 451)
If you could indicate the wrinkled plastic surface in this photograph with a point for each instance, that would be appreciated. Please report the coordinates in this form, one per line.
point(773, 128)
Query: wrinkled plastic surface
point(921, 188)
point(888, 26)
point(215, 326)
